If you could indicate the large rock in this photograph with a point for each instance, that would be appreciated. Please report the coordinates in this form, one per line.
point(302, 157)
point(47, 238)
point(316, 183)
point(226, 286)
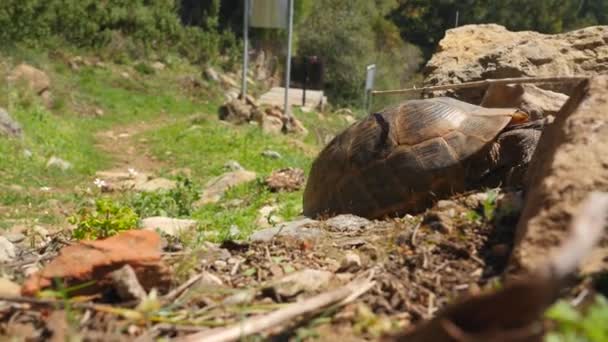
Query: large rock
point(216, 187)
point(235, 111)
point(570, 161)
point(533, 100)
point(35, 79)
point(477, 52)
point(8, 126)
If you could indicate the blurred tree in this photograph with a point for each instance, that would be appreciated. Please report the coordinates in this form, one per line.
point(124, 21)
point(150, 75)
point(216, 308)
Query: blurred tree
point(349, 34)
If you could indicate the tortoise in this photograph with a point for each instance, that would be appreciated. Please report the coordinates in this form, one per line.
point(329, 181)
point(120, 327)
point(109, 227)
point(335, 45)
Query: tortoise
point(403, 158)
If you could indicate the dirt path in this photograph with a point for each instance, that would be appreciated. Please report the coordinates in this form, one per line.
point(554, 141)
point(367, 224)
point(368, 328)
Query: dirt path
point(127, 150)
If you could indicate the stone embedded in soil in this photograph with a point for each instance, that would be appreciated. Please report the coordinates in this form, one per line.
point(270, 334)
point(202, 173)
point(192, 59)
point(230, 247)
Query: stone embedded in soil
point(155, 184)
point(350, 262)
point(126, 285)
point(346, 222)
point(444, 216)
point(271, 154)
point(286, 179)
point(216, 187)
point(59, 163)
point(167, 225)
point(8, 251)
point(233, 165)
point(299, 230)
point(35, 79)
point(88, 260)
point(307, 280)
point(14, 237)
point(266, 216)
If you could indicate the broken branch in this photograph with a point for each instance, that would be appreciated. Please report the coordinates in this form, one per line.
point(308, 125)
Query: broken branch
point(257, 324)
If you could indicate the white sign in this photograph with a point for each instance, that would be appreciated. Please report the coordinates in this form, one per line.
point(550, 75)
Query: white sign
point(369, 77)
point(269, 13)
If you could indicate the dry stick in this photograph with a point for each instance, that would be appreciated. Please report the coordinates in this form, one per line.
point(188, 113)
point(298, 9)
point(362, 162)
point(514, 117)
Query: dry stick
point(257, 324)
point(475, 84)
point(179, 290)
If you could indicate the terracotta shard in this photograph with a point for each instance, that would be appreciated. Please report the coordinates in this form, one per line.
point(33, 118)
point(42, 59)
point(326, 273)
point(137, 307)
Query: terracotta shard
point(95, 260)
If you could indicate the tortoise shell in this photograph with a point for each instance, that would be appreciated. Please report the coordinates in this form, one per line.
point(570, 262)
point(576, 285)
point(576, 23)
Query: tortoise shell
point(400, 160)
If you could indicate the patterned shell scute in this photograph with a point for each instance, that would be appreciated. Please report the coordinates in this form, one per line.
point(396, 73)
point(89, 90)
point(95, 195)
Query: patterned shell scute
point(390, 161)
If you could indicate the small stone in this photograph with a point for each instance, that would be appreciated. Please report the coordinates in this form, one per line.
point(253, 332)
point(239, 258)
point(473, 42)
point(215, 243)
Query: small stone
point(307, 280)
point(14, 237)
point(475, 200)
point(347, 222)
point(167, 225)
point(209, 279)
point(27, 153)
point(271, 154)
point(234, 231)
point(211, 74)
point(266, 217)
point(228, 81)
point(295, 229)
point(126, 285)
point(158, 66)
point(241, 297)
point(350, 263)
point(155, 184)
point(216, 187)
point(271, 124)
point(7, 250)
point(220, 265)
point(9, 288)
point(233, 165)
point(59, 163)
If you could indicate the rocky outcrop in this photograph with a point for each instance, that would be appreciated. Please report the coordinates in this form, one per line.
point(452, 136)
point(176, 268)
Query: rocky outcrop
point(271, 120)
point(570, 161)
point(478, 52)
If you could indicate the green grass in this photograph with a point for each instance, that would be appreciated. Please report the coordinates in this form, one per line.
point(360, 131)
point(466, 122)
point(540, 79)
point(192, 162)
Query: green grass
point(133, 93)
point(67, 128)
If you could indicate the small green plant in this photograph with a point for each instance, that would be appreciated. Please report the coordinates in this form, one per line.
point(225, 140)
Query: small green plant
point(176, 202)
point(107, 219)
point(574, 325)
point(489, 204)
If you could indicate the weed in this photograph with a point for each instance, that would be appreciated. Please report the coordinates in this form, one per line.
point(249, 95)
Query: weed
point(489, 204)
point(573, 325)
point(175, 202)
point(107, 219)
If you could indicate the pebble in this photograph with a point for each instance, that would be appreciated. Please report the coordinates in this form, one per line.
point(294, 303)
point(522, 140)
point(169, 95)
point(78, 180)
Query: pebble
point(271, 154)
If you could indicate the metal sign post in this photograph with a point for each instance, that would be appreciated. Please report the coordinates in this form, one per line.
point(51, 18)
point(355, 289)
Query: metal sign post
point(273, 14)
point(369, 86)
point(246, 14)
point(288, 63)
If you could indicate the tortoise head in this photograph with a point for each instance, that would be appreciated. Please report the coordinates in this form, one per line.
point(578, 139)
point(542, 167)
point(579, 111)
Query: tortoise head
point(519, 117)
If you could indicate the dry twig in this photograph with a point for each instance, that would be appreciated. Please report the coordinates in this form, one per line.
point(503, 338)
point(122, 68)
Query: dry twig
point(488, 82)
point(340, 296)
